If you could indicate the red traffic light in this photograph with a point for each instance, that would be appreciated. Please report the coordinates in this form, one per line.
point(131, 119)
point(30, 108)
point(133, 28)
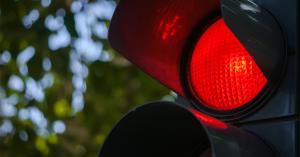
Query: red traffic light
point(243, 72)
point(223, 75)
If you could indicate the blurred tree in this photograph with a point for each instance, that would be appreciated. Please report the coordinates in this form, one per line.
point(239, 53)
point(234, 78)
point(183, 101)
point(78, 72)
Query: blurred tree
point(62, 87)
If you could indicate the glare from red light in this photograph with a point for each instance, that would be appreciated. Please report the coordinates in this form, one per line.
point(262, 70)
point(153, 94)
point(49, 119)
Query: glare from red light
point(207, 120)
point(222, 73)
point(168, 27)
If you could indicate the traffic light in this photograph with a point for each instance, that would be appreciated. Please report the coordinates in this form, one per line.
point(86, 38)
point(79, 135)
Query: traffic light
point(235, 64)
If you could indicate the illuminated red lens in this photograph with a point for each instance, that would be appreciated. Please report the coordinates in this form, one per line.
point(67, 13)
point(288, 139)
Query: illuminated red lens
point(223, 74)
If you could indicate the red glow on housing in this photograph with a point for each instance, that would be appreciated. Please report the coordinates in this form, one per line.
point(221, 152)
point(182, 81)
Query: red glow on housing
point(168, 27)
point(151, 34)
point(223, 75)
point(209, 120)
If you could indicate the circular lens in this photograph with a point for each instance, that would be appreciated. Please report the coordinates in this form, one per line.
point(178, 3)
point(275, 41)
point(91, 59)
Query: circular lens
point(223, 75)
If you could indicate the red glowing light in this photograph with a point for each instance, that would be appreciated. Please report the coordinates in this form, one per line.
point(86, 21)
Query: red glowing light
point(222, 73)
point(209, 120)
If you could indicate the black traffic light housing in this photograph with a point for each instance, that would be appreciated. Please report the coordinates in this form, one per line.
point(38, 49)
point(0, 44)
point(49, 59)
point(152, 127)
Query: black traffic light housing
point(156, 39)
point(165, 129)
point(277, 120)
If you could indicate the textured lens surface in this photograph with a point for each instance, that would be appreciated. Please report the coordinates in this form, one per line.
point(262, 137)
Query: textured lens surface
point(223, 75)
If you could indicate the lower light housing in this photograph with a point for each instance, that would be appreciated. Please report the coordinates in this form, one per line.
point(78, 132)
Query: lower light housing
point(222, 73)
point(164, 129)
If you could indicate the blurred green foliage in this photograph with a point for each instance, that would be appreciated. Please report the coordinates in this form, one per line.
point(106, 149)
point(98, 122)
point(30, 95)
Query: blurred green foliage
point(113, 86)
